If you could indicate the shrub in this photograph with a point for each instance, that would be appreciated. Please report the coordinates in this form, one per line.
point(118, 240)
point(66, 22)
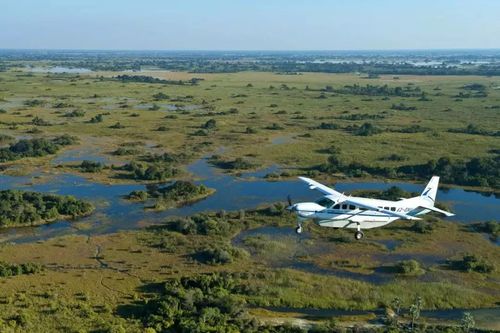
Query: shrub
point(402, 107)
point(490, 227)
point(237, 164)
point(117, 126)
point(200, 224)
point(210, 124)
point(90, 166)
point(160, 96)
point(124, 151)
point(422, 227)
point(75, 113)
point(472, 263)
point(250, 130)
point(275, 127)
point(215, 255)
point(408, 267)
point(367, 129)
point(96, 119)
point(203, 303)
point(328, 126)
point(156, 171)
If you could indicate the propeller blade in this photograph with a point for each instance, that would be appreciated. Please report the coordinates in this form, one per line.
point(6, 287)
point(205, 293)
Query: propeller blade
point(289, 199)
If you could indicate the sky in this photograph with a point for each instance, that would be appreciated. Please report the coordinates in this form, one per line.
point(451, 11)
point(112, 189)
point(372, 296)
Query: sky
point(249, 24)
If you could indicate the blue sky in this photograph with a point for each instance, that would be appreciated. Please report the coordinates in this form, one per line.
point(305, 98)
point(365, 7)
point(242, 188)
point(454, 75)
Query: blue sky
point(249, 24)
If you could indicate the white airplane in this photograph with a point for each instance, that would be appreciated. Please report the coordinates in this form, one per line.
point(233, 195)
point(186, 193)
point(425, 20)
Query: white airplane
point(337, 210)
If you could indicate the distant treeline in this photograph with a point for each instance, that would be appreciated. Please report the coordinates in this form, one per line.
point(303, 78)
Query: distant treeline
point(150, 79)
point(394, 69)
point(20, 208)
point(371, 63)
point(375, 90)
point(34, 148)
point(373, 69)
point(483, 172)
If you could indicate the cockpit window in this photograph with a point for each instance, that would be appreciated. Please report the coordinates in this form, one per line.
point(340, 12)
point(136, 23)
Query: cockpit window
point(325, 202)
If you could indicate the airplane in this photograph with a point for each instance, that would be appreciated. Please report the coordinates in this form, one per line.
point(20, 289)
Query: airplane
point(337, 210)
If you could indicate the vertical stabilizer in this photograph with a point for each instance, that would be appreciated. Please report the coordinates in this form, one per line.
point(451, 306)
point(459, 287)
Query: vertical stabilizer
point(431, 189)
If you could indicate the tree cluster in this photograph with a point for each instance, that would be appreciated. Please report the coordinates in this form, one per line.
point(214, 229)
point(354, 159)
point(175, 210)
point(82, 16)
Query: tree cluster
point(484, 171)
point(26, 208)
point(7, 269)
point(34, 148)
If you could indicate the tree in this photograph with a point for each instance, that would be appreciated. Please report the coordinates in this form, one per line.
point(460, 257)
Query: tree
point(210, 124)
point(415, 311)
point(467, 323)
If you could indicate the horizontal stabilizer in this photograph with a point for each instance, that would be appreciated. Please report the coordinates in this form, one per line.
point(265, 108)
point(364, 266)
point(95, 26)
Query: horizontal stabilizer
point(434, 209)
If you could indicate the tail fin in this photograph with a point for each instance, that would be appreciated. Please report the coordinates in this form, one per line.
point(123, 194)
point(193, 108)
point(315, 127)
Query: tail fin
point(431, 189)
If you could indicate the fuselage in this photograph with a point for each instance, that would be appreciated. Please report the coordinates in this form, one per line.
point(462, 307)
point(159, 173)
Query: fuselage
point(326, 212)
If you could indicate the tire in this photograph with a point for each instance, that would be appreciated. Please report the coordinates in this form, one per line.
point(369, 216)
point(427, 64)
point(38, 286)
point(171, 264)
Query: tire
point(298, 230)
point(358, 235)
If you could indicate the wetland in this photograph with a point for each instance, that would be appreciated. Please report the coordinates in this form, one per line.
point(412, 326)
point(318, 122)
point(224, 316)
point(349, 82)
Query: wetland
point(211, 159)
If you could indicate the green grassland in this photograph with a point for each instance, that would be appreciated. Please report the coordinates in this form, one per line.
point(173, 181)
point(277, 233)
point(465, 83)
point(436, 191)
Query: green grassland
point(88, 283)
point(102, 283)
point(246, 100)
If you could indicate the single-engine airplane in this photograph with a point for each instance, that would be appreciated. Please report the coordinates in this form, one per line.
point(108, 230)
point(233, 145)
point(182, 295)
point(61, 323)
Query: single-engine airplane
point(337, 210)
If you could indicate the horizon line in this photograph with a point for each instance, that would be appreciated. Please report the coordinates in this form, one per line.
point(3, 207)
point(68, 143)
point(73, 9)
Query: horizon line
point(250, 50)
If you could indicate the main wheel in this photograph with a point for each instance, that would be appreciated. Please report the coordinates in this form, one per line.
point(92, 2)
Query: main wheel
point(298, 229)
point(358, 235)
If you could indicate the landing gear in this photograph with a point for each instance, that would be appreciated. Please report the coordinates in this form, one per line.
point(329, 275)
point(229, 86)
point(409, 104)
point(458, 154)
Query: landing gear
point(358, 235)
point(298, 229)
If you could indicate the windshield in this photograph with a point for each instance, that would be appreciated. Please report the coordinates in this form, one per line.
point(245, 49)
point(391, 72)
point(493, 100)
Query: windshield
point(325, 202)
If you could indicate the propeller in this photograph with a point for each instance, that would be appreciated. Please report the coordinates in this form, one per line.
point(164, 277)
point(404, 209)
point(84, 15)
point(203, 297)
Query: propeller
point(290, 203)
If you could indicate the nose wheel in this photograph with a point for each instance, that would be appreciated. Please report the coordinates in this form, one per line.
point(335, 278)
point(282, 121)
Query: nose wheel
point(298, 230)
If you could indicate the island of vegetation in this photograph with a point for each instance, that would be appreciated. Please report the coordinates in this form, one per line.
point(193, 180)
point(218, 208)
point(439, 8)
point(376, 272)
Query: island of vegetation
point(34, 147)
point(177, 194)
point(23, 208)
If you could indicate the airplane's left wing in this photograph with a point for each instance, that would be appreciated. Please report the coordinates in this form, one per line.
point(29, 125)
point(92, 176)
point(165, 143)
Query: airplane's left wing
point(314, 185)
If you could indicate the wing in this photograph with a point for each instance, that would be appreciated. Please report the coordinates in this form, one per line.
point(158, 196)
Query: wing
point(314, 185)
point(378, 209)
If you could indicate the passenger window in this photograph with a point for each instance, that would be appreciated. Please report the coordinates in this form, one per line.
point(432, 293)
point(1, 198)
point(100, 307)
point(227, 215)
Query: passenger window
point(386, 208)
point(344, 206)
point(351, 207)
point(337, 206)
point(393, 209)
